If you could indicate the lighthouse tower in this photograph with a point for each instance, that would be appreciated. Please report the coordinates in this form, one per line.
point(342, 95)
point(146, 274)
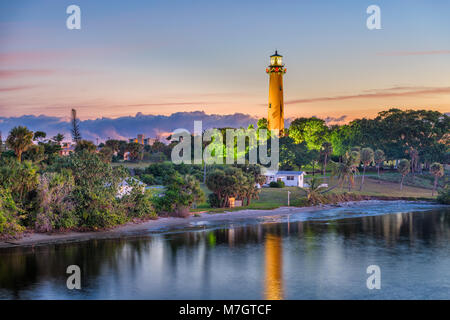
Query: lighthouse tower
point(276, 70)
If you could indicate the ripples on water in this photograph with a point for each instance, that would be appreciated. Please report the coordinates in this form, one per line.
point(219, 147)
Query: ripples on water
point(306, 255)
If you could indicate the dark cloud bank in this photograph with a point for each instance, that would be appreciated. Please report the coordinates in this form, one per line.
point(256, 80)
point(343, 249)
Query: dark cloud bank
point(127, 127)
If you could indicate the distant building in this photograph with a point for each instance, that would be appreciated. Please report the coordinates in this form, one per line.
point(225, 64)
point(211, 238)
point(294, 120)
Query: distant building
point(66, 149)
point(290, 178)
point(142, 140)
point(126, 186)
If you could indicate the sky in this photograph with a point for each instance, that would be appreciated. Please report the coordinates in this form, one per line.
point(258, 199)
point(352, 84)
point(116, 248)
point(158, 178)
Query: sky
point(163, 57)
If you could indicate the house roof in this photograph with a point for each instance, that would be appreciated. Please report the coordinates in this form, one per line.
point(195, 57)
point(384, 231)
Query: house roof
point(290, 173)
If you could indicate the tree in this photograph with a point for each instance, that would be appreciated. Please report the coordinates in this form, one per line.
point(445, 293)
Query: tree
point(345, 170)
point(404, 167)
point(367, 157)
point(82, 145)
point(181, 193)
point(39, 135)
point(36, 153)
point(113, 144)
point(327, 150)
point(19, 140)
point(262, 123)
point(313, 131)
point(76, 134)
point(135, 149)
point(225, 183)
point(313, 191)
point(437, 170)
point(106, 154)
point(58, 138)
point(379, 158)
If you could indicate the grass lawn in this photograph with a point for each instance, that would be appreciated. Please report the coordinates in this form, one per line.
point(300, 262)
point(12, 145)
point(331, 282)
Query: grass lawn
point(271, 198)
point(374, 187)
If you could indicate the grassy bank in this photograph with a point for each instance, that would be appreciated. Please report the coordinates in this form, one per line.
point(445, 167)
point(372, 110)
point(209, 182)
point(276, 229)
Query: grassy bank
point(271, 198)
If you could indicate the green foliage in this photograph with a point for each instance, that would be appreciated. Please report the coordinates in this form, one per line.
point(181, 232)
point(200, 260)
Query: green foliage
point(213, 201)
point(55, 205)
point(138, 203)
point(277, 184)
point(404, 167)
point(313, 191)
point(19, 140)
point(345, 170)
point(85, 145)
point(9, 215)
point(180, 194)
point(21, 179)
point(106, 154)
point(444, 195)
point(96, 185)
point(313, 131)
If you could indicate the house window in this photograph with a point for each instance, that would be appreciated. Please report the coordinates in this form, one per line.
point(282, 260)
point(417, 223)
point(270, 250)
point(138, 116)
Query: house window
point(290, 178)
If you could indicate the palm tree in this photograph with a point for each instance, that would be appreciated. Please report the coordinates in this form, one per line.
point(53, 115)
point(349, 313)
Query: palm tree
point(404, 167)
point(367, 159)
point(327, 150)
point(379, 158)
point(346, 169)
point(19, 140)
point(437, 170)
point(314, 191)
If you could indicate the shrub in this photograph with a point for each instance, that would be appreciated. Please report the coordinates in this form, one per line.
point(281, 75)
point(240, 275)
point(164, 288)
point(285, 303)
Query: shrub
point(444, 196)
point(138, 204)
point(181, 193)
point(277, 184)
point(213, 200)
point(55, 205)
point(148, 179)
point(9, 215)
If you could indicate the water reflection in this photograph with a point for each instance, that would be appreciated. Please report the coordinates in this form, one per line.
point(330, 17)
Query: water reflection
point(292, 260)
point(273, 267)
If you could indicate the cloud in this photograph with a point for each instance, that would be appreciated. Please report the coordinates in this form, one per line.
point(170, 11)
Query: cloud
point(335, 119)
point(128, 127)
point(413, 53)
point(384, 93)
point(16, 88)
point(6, 74)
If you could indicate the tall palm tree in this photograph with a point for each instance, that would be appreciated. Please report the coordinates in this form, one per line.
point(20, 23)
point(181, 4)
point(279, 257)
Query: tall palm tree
point(366, 158)
point(19, 140)
point(437, 170)
point(379, 158)
point(404, 167)
point(327, 150)
point(345, 170)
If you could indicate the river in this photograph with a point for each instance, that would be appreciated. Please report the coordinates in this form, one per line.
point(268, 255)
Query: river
point(307, 255)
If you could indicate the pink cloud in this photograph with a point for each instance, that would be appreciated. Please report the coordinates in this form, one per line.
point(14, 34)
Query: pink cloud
point(386, 93)
point(16, 88)
point(26, 72)
point(413, 53)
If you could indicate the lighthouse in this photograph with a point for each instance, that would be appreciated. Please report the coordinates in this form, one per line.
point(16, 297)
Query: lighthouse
point(276, 70)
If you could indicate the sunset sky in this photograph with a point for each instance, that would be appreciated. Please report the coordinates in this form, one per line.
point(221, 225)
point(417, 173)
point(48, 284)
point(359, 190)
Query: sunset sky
point(161, 57)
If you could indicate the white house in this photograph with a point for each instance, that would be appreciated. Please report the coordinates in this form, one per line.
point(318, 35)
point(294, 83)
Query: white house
point(126, 186)
point(290, 178)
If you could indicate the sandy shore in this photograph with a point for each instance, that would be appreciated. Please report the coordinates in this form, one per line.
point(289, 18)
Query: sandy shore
point(159, 225)
point(164, 224)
